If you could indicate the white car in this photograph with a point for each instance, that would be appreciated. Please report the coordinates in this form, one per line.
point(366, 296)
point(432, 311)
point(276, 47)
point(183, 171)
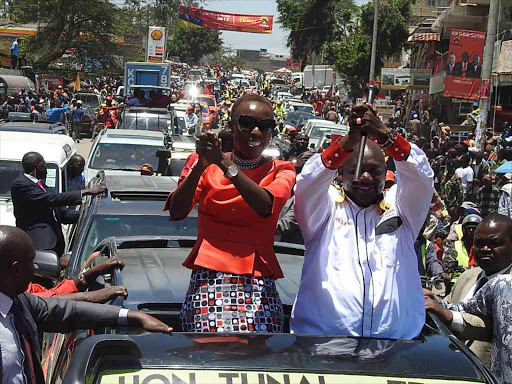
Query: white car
point(300, 107)
point(56, 151)
point(123, 150)
point(316, 128)
point(282, 96)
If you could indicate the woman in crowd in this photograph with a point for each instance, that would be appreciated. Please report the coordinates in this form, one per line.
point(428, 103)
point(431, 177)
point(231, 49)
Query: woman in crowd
point(240, 196)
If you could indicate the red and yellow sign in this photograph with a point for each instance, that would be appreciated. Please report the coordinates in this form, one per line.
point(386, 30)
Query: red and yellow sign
point(221, 21)
point(463, 64)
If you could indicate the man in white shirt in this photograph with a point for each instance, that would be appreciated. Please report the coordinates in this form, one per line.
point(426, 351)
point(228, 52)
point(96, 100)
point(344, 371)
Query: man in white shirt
point(465, 173)
point(360, 275)
point(492, 245)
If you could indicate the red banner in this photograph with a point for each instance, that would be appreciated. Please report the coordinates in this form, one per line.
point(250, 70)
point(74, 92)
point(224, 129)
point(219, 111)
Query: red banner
point(220, 21)
point(463, 64)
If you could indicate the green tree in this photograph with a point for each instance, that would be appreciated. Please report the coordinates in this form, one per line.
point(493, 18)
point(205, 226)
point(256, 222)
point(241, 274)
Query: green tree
point(87, 26)
point(190, 44)
point(311, 23)
point(351, 51)
point(228, 61)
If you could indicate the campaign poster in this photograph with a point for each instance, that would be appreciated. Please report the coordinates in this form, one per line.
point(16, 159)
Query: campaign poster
point(156, 45)
point(222, 21)
point(463, 66)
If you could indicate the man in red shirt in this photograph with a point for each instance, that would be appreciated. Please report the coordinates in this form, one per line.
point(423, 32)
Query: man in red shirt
point(74, 289)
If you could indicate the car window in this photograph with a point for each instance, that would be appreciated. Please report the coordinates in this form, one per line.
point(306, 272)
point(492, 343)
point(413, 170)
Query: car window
point(207, 100)
point(89, 99)
point(318, 132)
point(124, 156)
point(153, 123)
point(303, 108)
point(104, 226)
point(10, 170)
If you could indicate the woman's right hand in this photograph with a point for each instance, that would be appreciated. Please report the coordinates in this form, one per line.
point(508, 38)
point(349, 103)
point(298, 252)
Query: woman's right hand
point(208, 147)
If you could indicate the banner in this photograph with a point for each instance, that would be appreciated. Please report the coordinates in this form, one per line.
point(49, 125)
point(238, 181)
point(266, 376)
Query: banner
point(405, 78)
point(220, 21)
point(156, 45)
point(505, 58)
point(463, 66)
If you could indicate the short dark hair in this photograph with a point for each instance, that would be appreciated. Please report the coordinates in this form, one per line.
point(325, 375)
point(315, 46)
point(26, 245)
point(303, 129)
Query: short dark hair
point(499, 219)
point(249, 97)
point(28, 161)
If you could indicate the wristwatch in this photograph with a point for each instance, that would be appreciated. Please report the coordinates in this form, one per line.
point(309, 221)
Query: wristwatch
point(231, 172)
point(390, 140)
point(82, 279)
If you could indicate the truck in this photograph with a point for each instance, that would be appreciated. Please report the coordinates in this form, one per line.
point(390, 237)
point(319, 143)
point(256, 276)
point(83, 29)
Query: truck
point(152, 74)
point(323, 75)
point(12, 81)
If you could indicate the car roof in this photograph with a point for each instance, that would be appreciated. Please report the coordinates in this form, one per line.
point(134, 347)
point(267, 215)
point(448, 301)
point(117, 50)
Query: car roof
point(132, 136)
point(322, 122)
point(133, 194)
point(54, 148)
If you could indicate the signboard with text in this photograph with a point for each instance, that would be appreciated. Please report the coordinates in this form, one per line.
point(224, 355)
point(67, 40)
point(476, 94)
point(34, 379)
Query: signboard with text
point(464, 64)
point(222, 21)
point(155, 52)
point(405, 78)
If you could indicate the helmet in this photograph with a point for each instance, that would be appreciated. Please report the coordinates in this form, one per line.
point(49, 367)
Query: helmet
point(472, 219)
point(79, 102)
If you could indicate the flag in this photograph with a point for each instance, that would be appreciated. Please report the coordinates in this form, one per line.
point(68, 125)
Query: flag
point(77, 82)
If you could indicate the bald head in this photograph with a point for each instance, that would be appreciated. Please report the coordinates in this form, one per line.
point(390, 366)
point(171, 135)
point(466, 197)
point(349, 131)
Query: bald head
point(493, 242)
point(16, 260)
point(29, 161)
point(373, 175)
point(76, 165)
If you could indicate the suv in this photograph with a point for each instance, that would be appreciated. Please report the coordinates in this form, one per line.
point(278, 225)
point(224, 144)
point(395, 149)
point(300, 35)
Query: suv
point(157, 284)
point(126, 150)
point(91, 99)
point(132, 206)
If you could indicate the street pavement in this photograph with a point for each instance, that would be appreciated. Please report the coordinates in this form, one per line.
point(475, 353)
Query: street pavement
point(84, 146)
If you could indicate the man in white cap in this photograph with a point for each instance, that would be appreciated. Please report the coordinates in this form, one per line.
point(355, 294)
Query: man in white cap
point(415, 125)
point(505, 203)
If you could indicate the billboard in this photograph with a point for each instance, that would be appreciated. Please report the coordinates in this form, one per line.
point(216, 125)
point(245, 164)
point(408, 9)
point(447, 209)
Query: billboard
point(221, 21)
point(405, 78)
point(463, 65)
point(155, 53)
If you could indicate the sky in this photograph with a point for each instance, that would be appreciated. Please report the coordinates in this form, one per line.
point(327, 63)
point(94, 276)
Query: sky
point(274, 43)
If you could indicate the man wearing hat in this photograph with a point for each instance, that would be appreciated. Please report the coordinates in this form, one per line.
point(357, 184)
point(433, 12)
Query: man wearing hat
point(462, 249)
point(77, 117)
point(505, 203)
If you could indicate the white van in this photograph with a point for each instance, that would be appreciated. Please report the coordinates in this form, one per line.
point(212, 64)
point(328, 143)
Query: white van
point(56, 151)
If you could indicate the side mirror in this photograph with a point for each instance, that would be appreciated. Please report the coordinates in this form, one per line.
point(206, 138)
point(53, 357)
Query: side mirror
point(46, 264)
point(163, 154)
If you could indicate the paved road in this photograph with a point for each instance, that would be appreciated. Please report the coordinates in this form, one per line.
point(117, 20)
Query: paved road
point(84, 146)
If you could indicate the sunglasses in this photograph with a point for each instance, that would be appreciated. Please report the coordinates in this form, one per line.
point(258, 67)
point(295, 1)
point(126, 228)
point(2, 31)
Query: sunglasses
point(248, 123)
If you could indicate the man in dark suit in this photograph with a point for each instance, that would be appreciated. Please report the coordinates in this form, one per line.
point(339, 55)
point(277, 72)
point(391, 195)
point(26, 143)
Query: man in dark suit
point(34, 204)
point(451, 65)
point(475, 68)
point(23, 315)
point(461, 67)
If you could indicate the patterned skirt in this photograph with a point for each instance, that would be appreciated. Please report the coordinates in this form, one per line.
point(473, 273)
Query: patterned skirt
point(227, 302)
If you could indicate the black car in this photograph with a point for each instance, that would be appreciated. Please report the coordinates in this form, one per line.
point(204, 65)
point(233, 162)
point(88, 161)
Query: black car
point(34, 126)
point(89, 121)
point(133, 206)
point(157, 284)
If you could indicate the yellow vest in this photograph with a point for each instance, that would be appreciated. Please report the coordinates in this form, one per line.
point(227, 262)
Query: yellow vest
point(462, 254)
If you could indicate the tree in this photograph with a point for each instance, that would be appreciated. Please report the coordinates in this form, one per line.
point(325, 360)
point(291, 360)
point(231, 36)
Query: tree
point(86, 26)
point(190, 44)
point(351, 52)
point(311, 23)
point(223, 56)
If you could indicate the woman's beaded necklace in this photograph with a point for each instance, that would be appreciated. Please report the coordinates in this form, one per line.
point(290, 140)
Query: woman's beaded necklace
point(246, 164)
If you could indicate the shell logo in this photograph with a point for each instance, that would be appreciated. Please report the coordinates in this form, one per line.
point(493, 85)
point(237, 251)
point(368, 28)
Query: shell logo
point(157, 34)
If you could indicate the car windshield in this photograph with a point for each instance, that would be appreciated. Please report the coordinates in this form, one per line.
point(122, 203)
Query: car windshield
point(179, 122)
point(207, 100)
point(104, 226)
point(146, 123)
point(124, 156)
point(89, 99)
point(317, 132)
point(303, 108)
point(10, 170)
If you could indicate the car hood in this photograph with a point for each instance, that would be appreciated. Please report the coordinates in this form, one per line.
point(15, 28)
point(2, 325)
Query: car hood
point(7, 214)
point(91, 173)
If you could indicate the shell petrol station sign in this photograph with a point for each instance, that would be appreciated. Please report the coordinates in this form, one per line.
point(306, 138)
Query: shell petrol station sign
point(155, 52)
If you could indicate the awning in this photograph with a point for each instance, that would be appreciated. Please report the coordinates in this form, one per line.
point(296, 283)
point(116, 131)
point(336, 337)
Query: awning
point(424, 37)
point(10, 84)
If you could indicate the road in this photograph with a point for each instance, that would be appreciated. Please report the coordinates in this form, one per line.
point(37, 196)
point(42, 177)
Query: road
point(84, 146)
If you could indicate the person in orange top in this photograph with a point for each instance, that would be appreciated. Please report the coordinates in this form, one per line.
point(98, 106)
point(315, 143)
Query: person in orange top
point(240, 196)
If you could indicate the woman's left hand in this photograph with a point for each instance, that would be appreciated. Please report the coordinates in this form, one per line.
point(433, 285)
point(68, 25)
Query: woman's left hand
point(211, 146)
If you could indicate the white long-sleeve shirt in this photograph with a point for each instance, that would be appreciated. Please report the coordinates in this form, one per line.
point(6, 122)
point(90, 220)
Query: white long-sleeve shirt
point(355, 282)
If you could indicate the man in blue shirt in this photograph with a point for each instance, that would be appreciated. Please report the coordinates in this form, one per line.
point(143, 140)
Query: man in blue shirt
point(54, 114)
point(14, 53)
point(76, 179)
point(77, 116)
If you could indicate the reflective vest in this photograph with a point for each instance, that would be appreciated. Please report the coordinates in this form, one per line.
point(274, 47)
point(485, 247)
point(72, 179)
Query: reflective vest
point(462, 254)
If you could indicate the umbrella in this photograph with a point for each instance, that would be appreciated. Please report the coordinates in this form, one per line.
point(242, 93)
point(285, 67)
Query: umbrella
point(505, 168)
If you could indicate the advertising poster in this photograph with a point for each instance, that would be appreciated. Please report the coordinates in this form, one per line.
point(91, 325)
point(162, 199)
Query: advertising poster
point(505, 58)
point(156, 45)
point(221, 21)
point(405, 78)
point(464, 64)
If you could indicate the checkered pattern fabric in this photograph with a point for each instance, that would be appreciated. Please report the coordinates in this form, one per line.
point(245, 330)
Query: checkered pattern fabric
point(226, 302)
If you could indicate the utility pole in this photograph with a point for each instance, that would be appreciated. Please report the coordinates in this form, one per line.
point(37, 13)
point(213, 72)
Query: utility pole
point(483, 104)
point(374, 40)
